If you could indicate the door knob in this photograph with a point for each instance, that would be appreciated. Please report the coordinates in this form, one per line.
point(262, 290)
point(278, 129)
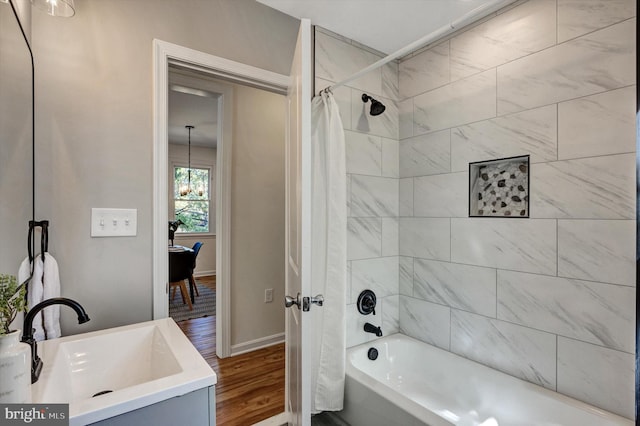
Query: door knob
point(290, 301)
point(308, 301)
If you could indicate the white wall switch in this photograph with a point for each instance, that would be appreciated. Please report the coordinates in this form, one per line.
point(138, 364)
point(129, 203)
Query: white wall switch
point(268, 295)
point(114, 222)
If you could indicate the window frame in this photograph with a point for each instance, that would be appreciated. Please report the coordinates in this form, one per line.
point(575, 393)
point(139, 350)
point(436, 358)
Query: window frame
point(211, 200)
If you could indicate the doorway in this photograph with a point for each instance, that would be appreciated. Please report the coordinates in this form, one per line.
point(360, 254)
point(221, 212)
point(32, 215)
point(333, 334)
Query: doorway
point(193, 136)
point(251, 297)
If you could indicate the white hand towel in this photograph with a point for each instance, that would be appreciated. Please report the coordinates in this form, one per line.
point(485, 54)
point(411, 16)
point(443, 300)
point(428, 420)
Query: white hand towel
point(23, 274)
point(51, 289)
point(34, 296)
point(45, 284)
point(34, 292)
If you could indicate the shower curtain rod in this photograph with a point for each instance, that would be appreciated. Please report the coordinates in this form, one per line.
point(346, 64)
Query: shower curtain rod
point(473, 15)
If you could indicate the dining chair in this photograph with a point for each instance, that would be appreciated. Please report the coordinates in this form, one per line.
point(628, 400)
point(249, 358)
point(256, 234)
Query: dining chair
point(192, 281)
point(180, 269)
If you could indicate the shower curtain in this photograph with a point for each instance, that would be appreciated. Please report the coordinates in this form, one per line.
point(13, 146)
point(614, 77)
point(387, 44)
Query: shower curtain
point(328, 254)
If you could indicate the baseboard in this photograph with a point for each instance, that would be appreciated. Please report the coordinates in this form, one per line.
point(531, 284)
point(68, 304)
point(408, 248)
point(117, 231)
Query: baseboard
point(204, 273)
point(281, 419)
point(260, 343)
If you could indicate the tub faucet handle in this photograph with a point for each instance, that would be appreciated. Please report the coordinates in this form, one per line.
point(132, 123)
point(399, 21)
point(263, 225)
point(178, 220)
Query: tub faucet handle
point(367, 302)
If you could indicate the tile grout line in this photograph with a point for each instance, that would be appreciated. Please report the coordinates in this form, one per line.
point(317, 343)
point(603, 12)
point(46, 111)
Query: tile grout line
point(557, 25)
point(628, 86)
point(520, 325)
point(556, 363)
point(498, 269)
point(557, 249)
point(532, 163)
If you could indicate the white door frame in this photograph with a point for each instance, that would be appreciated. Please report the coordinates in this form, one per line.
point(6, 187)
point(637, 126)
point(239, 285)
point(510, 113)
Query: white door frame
point(165, 53)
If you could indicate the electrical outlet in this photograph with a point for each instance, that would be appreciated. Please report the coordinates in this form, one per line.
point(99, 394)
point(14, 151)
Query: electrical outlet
point(268, 295)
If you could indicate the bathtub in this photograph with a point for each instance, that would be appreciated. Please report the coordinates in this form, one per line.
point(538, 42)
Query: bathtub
point(413, 383)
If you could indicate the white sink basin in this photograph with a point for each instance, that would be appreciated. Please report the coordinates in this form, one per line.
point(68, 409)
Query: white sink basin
point(132, 366)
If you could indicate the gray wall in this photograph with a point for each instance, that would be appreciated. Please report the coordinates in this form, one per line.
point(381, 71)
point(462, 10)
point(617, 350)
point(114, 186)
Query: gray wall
point(549, 299)
point(257, 215)
point(24, 13)
point(94, 103)
point(15, 142)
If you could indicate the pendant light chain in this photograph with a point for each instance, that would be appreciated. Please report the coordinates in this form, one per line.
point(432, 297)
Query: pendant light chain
point(187, 190)
point(189, 173)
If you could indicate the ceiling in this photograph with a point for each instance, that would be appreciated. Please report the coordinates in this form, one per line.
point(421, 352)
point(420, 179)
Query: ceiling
point(384, 25)
point(196, 108)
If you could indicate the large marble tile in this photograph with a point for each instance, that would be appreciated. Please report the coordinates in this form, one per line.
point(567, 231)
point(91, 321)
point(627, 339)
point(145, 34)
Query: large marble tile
point(518, 351)
point(390, 158)
point(461, 102)
point(390, 237)
point(364, 237)
point(578, 17)
point(390, 83)
point(445, 195)
point(600, 124)
point(469, 288)
point(425, 154)
point(424, 71)
point(599, 376)
point(425, 321)
point(390, 314)
point(527, 245)
point(603, 314)
point(380, 275)
point(588, 188)
point(598, 250)
point(364, 153)
point(336, 60)
point(518, 32)
point(597, 62)
point(427, 238)
point(406, 197)
point(405, 113)
point(342, 95)
point(532, 132)
point(385, 124)
point(374, 196)
point(406, 276)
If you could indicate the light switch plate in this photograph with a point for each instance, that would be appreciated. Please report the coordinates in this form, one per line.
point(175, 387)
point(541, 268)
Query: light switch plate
point(114, 222)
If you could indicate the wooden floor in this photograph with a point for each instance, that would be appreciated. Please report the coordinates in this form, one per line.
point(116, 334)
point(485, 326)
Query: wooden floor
point(250, 386)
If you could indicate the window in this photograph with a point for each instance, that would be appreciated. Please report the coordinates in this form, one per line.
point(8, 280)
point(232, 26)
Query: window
point(192, 208)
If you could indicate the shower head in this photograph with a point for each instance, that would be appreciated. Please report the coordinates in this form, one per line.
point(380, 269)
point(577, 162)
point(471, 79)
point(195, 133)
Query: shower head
point(377, 107)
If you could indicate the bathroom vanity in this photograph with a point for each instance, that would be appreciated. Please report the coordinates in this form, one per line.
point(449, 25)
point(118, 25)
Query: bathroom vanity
point(145, 373)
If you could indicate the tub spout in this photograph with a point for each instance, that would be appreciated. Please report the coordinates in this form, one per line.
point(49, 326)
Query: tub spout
point(370, 328)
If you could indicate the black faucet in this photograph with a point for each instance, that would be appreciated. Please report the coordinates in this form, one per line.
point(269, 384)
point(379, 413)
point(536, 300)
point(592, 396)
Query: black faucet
point(27, 329)
point(370, 328)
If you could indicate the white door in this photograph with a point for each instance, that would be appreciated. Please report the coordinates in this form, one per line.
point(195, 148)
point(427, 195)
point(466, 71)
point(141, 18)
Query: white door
point(298, 230)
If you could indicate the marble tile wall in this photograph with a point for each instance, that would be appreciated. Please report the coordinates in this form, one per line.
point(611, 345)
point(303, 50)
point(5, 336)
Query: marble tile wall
point(373, 172)
point(549, 299)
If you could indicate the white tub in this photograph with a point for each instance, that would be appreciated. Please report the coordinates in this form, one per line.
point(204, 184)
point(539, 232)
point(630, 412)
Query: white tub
point(412, 383)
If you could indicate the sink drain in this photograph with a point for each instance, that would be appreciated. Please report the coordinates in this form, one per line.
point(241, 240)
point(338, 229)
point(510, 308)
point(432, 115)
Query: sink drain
point(101, 393)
